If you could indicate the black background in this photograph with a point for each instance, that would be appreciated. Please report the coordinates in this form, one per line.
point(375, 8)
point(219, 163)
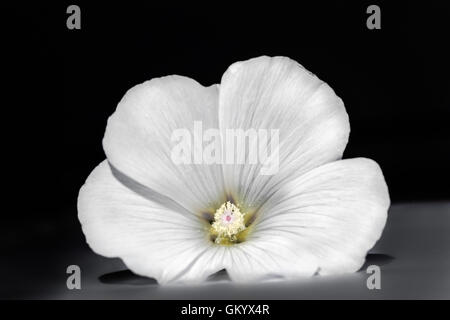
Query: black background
point(65, 83)
point(392, 81)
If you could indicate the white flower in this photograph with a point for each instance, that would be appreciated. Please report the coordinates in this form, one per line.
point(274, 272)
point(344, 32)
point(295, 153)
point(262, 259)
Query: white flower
point(182, 223)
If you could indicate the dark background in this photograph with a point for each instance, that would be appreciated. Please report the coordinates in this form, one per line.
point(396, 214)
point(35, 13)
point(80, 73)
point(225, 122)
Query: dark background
point(65, 83)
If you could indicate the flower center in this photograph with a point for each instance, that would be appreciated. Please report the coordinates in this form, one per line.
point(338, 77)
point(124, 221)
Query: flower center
point(228, 222)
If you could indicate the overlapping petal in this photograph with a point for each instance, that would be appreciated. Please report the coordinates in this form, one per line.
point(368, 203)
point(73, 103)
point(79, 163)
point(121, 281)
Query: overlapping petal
point(138, 139)
point(153, 236)
point(278, 93)
point(334, 214)
point(269, 257)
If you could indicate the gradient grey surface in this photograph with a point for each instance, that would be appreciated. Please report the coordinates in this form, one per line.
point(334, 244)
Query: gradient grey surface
point(413, 254)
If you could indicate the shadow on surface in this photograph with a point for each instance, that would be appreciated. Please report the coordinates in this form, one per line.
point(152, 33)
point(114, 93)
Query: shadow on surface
point(126, 277)
point(129, 278)
point(378, 259)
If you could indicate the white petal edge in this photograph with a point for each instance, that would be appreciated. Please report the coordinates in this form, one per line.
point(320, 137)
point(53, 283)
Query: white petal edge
point(151, 239)
point(334, 214)
point(278, 93)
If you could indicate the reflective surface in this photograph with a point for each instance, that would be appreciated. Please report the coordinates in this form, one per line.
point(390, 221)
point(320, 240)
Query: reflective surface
point(413, 254)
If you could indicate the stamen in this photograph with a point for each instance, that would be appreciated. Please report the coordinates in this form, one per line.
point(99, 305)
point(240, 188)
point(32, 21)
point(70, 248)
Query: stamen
point(228, 222)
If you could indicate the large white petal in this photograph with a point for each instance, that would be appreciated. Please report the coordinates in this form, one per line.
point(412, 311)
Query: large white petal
point(154, 237)
point(278, 93)
point(138, 141)
point(334, 214)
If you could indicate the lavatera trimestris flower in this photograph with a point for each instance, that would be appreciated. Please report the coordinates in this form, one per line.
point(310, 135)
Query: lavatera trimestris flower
point(182, 222)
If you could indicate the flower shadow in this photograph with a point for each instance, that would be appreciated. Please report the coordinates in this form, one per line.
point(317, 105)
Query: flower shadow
point(126, 277)
point(378, 259)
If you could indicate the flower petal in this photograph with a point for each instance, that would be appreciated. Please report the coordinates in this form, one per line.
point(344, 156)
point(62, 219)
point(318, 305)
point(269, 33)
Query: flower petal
point(269, 257)
point(278, 93)
point(334, 213)
point(144, 229)
point(138, 139)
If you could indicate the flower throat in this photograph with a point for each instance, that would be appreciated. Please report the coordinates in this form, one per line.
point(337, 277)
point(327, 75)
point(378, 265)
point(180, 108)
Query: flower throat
point(228, 225)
